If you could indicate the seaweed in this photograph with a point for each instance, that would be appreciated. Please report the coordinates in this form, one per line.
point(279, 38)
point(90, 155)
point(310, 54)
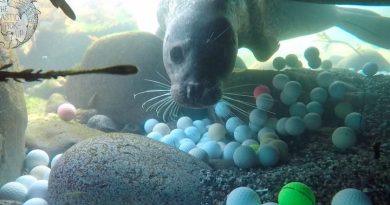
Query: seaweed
point(29, 75)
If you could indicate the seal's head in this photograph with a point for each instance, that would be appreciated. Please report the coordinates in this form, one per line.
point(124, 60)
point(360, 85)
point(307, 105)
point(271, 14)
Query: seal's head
point(200, 48)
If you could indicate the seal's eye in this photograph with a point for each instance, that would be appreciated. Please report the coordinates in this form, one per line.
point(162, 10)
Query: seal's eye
point(177, 55)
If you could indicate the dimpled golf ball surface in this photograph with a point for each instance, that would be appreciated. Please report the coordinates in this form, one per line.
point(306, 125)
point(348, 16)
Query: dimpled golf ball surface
point(298, 109)
point(244, 157)
point(55, 159)
point(355, 121)
point(343, 137)
point(264, 101)
point(312, 121)
point(337, 90)
point(315, 107)
point(293, 89)
point(324, 79)
point(193, 133)
point(66, 111)
point(279, 63)
point(149, 124)
point(187, 146)
point(222, 110)
point(36, 201)
point(26, 180)
point(155, 136)
point(294, 126)
point(268, 155)
point(199, 154)
point(243, 196)
point(242, 133)
point(258, 117)
point(184, 122)
point(36, 157)
point(38, 190)
point(232, 123)
point(296, 193)
point(319, 94)
point(370, 68)
point(161, 128)
point(229, 149)
point(279, 80)
point(217, 131)
point(213, 149)
point(260, 89)
point(40, 172)
point(13, 191)
point(350, 196)
point(200, 125)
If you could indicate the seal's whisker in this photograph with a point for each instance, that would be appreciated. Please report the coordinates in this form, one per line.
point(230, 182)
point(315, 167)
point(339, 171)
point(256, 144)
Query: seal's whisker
point(154, 98)
point(161, 105)
point(168, 108)
point(243, 112)
point(156, 104)
point(159, 83)
point(219, 35)
point(163, 77)
point(240, 86)
point(240, 101)
point(241, 95)
point(150, 91)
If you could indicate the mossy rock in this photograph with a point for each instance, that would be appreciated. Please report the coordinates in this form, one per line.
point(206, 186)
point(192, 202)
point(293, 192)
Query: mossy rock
point(54, 135)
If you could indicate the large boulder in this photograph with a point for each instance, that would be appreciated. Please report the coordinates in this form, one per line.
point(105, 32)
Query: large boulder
point(116, 96)
point(125, 169)
point(13, 122)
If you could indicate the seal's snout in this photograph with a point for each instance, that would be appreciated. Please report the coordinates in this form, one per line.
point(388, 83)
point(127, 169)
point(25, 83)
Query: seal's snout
point(196, 95)
point(194, 91)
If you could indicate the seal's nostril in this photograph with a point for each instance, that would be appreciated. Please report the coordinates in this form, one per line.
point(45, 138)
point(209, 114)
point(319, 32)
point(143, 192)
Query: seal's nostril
point(177, 55)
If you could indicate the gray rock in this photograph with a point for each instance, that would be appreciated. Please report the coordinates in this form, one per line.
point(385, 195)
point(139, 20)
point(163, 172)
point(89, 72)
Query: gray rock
point(9, 202)
point(114, 96)
point(125, 169)
point(54, 135)
point(102, 123)
point(13, 122)
point(55, 100)
point(357, 61)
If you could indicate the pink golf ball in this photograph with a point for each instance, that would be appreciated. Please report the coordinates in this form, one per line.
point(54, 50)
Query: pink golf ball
point(66, 111)
point(260, 89)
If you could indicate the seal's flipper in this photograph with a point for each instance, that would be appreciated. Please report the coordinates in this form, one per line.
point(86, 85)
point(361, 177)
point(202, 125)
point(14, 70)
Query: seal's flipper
point(368, 26)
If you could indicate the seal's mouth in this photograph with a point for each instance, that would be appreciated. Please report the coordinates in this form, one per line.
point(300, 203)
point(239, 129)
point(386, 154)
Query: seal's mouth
point(196, 95)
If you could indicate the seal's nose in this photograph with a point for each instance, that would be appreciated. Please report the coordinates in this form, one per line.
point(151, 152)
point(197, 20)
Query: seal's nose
point(194, 91)
point(176, 54)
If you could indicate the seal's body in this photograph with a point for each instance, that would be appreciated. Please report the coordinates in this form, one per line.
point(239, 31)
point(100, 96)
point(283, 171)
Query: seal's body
point(201, 37)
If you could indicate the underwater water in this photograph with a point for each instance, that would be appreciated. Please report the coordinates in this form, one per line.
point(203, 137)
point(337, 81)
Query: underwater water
point(192, 102)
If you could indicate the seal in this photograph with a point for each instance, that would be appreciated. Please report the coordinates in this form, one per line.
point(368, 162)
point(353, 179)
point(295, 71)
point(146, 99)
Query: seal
point(201, 37)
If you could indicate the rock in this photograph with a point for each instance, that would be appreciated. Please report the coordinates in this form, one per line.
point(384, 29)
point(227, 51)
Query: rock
point(55, 100)
point(115, 96)
point(13, 122)
point(10, 202)
point(46, 88)
point(54, 135)
point(125, 169)
point(356, 61)
point(83, 115)
point(102, 123)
